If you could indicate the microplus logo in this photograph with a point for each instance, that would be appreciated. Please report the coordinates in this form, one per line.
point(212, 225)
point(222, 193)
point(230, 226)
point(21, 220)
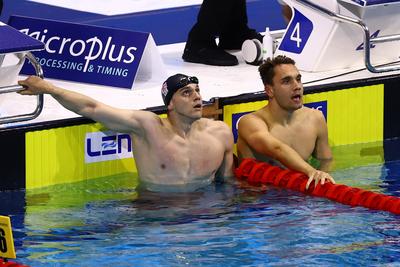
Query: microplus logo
point(90, 49)
point(104, 146)
point(84, 53)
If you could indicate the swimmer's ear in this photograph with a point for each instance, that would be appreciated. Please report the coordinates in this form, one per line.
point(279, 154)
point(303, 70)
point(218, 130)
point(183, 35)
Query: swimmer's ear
point(170, 106)
point(268, 90)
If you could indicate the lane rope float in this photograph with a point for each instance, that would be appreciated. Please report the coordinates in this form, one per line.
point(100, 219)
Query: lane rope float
point(257, 173)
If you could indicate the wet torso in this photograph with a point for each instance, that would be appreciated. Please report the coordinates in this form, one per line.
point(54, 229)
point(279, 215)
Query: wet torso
point(165, 158)
point(300, 134)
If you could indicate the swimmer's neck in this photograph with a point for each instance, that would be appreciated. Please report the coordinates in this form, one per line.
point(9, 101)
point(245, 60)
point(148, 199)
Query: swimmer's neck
point(280, 115)
point(180, 124)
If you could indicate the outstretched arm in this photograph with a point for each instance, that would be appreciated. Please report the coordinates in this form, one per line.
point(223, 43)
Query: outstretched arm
point(121, 120)
point(256, 134)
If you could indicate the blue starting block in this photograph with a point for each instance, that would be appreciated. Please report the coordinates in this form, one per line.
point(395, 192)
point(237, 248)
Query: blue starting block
point(340, 34)
point(18, 46)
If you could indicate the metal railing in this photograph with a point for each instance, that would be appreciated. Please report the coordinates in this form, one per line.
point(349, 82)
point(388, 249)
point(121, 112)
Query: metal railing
point(368, 41)
point(16, 88)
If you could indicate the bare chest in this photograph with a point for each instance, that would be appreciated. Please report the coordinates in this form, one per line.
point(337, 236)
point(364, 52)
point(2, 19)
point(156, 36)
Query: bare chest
point(301, 137)
point(186, 158)
point(198, 152)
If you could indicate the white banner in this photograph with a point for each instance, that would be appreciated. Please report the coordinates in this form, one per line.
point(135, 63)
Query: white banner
point(105, 146)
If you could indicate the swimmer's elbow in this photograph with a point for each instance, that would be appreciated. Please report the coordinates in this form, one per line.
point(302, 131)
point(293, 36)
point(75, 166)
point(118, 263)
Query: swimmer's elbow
point(325, 158)
point(328, 156)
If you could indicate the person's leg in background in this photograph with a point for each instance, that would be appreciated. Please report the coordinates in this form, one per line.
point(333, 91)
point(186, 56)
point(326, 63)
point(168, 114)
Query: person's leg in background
point(224, 18)
point(201, 46)
point(237, 30)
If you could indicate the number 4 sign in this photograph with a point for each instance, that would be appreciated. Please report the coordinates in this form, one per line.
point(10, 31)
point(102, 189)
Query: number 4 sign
point(297, 34)
point(6, 239)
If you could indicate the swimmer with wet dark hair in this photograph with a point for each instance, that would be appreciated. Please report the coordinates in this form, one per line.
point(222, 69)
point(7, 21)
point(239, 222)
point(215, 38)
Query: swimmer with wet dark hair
point(182, 152)
point(286, 132)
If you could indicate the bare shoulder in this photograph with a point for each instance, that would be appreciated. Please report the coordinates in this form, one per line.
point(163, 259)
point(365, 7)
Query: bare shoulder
point(253, 121)
point(214, 125)
point(216, 128)
point(253, 116)
point(147, 117)
point(311, 113)
point(147, 120)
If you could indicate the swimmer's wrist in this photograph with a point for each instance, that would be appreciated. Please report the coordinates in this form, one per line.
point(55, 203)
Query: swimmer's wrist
point(54, 91)
point(310, 171)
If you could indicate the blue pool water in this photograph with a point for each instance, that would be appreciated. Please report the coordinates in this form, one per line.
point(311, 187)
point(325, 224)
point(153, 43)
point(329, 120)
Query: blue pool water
point(106, 222)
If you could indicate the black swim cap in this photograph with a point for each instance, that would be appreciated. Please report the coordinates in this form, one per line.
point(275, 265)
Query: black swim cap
point(174, 83)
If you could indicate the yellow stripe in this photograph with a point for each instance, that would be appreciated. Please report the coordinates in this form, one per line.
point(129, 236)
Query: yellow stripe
point(354, 115)
point(56, 156)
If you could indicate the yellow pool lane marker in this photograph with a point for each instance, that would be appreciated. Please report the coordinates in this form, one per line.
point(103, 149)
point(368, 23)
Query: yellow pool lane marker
point(7, 250)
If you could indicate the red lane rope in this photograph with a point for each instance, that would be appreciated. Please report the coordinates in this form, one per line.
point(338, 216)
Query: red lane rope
point(10, 264)
point(257, 173)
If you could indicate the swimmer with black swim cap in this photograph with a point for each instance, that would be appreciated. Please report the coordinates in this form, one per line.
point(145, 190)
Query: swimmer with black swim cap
point(174, 83)
point(182, 152)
